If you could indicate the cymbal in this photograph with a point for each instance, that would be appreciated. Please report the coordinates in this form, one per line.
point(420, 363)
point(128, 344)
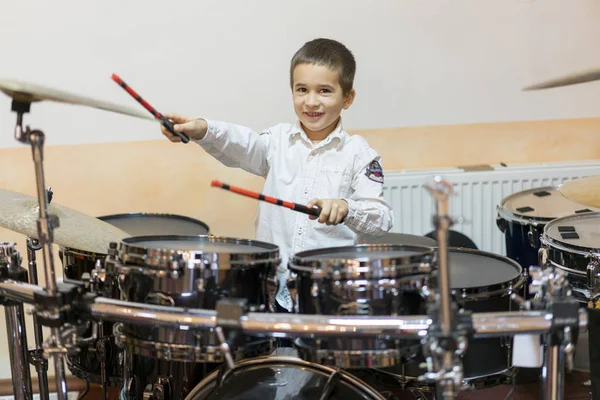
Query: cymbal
point(19, 213)
point(583, 190)
point(566, 80)
point(31, 92)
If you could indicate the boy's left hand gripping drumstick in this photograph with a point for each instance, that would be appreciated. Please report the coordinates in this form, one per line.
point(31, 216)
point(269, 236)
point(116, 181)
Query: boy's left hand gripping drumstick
point(293, 206)
point(166, 123)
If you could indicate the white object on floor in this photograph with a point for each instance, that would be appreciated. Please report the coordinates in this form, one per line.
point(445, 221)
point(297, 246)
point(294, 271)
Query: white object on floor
point(527, 351)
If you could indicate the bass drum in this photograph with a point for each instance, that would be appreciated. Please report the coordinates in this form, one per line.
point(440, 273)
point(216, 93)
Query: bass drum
point(282, 378)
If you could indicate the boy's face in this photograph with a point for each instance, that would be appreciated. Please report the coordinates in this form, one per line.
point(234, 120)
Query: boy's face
point(318, 99)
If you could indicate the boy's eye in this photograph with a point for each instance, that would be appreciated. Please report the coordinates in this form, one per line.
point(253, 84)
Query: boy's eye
point(301, 89)
point(325, 91)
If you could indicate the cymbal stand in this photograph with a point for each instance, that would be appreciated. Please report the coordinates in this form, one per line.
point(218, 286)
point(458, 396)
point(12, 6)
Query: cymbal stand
point(445, 343)
point(552, 289)
point(36, 356)
point(50, 306)
point(10, 268)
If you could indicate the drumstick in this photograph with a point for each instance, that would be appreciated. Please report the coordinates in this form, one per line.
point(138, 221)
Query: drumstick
point(294, 206)
point(166, 123)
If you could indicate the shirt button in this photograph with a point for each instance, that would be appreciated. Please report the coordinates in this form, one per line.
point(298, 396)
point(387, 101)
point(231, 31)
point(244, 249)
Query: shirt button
point(299, 231)
point(305, 190)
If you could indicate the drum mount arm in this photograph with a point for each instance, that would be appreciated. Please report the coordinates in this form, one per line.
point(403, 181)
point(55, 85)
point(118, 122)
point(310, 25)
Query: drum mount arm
point(552, 294)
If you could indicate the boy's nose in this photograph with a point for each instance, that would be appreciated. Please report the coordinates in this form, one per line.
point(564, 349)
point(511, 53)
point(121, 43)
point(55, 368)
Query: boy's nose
point(312, 100)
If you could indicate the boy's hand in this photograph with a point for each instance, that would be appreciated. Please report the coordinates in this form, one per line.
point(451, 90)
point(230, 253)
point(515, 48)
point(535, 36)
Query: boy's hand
point(195, 129)
point(333, 211)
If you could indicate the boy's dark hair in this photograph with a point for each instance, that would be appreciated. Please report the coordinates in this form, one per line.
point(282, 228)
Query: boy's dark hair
point(329, 53)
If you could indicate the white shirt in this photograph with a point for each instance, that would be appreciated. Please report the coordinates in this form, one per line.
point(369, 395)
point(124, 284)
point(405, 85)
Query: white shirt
point(298, 170)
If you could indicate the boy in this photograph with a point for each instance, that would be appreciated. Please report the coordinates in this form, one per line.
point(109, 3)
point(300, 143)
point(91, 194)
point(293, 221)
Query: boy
point(313, 161)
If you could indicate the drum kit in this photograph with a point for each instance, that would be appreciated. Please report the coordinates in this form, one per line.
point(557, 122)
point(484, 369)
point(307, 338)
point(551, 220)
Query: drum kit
point(158, 307)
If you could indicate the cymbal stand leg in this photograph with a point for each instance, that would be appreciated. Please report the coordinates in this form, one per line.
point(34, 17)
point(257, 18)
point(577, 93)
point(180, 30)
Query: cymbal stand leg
point(10, 264)
point(102, 354)
point(19, 364)
point(45, 224)
point(551, 287)
point(552, 372)
point(41, 364)
point(445, 342)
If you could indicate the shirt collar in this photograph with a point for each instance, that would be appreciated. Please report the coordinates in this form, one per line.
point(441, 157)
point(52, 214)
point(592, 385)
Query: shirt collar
point(297, 130)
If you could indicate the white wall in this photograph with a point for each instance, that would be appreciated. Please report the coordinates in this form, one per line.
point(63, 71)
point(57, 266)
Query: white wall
point(420, 62)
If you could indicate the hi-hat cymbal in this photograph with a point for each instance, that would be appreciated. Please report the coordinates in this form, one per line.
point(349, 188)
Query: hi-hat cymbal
point(31, 92)
point(566, 80)
point(19, 213)
point(583, 190)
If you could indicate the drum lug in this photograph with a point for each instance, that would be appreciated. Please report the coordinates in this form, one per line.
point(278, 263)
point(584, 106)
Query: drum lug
point(592, 272)
point(501, 224)
point(314, 294)
point(534, 240)
point(543, 257)
point(158, 390)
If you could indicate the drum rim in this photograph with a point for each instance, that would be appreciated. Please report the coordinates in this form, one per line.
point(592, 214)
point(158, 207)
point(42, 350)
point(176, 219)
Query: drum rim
point(561, 245)
point(523, 219)
point(84, 253)
point(348, 378)
point(159, 215)
point(88, 254)
point(375, 358)
point(178, 351)
point(132, 254)
point(491, 289)
point(422, 258)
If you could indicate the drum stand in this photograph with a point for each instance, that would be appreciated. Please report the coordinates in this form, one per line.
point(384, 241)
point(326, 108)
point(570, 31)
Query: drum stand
point(36, 356)
point(447, 338)
point(50, 306)
point(554, 295)
point(15, 324)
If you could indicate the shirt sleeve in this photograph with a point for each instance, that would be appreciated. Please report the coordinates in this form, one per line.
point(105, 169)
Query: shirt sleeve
point(369, 213)
point(239, 147)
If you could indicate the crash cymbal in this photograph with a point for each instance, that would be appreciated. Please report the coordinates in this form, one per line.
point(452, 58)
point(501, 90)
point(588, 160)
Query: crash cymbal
point(31, 92)
point(19, 213)
point(566, 80)
point(583, 190)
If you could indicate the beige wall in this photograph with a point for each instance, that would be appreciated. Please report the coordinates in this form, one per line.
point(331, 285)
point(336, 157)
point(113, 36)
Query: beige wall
point(157, 176)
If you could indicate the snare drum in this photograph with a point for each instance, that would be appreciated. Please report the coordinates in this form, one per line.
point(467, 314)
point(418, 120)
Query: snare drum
point(86, 364)
point(194, 272)
point(283, 378)
point(361, 280)
point(522, 217)
point(480, 282)
point(572, 243)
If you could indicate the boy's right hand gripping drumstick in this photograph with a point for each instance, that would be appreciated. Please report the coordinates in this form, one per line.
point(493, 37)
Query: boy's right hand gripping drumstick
point(166, 123)
point(293, 206)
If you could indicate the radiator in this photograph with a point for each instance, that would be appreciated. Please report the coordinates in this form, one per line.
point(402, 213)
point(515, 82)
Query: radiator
point(476, 196)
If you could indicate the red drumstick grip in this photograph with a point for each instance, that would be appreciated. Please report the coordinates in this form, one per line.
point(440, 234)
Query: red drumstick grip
point(244, 192)
point(166, 123)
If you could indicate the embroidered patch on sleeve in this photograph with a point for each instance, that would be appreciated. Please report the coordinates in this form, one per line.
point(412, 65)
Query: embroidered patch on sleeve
point(374, 172)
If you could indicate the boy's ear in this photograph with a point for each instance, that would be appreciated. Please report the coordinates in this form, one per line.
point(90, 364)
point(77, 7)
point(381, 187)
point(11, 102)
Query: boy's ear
point(349, 99)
